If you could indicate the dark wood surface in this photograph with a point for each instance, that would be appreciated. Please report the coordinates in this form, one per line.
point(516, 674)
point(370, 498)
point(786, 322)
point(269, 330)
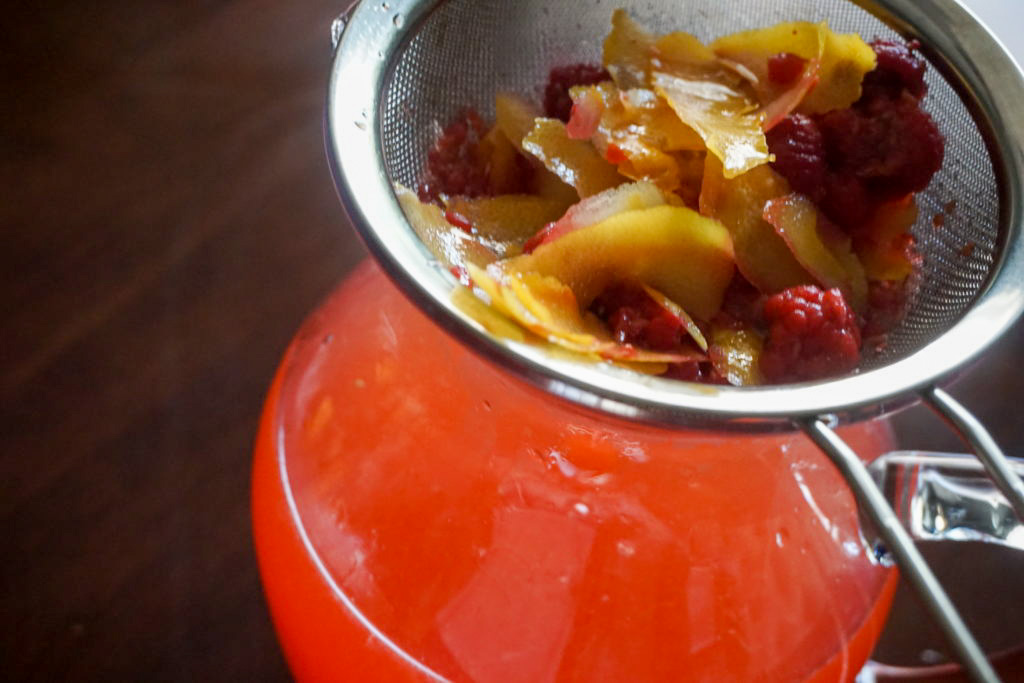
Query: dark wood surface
point(168, 219)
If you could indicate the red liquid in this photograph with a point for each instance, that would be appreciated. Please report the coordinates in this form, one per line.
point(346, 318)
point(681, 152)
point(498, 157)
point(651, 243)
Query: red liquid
point(417, 510)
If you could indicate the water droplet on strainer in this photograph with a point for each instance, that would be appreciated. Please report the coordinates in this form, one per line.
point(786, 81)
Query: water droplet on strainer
point(385, 6)
point(361, 125)
point(398, 20)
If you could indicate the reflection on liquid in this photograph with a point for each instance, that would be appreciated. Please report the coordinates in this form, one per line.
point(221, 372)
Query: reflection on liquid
point(521, 594)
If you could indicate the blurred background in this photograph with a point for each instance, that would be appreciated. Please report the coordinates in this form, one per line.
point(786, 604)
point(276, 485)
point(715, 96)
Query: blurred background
point(168, 220)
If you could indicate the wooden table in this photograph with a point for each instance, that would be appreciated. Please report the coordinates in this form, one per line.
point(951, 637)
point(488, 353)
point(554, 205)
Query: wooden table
point(168, 219)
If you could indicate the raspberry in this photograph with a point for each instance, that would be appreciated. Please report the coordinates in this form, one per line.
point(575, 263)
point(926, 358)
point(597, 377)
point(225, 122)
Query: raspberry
point(812, 334)
point(799, 150)
point(557, 103)
point(455, 164)
point(847, 201)
point(635, 318)
point(891, 145)
point(741, 305)
point(887, 302)
point(695, 371)
point(897, 70)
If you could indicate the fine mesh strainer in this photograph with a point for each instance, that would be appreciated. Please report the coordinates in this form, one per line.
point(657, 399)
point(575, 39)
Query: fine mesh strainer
point(403, 66)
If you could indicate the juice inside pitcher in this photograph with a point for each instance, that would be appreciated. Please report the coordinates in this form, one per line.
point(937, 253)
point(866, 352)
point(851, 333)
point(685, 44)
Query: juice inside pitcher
point(420, 513)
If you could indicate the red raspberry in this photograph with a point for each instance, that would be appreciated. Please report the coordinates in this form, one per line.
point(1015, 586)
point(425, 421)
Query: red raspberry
point(812, 334)
point(887, 303)
point(557, 103)
point(741, 306)
point(799, 150)
point(635, 318)
point(897, 70)
point(847, 201)
point(891, 145)
point(695, 371)
point(455, 165)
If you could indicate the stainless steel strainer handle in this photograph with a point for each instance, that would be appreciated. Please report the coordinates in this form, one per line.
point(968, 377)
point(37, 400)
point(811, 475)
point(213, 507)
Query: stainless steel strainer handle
point(887, 523)
point(984, 446)
point(946, 497)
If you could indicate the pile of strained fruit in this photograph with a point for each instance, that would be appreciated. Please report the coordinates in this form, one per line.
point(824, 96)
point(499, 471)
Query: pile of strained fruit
point(738, 212)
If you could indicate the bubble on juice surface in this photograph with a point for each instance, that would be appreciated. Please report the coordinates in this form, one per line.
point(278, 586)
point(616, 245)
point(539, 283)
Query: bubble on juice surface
point(626, 548)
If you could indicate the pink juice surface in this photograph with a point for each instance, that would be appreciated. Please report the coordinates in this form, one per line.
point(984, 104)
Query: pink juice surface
point(419, 513)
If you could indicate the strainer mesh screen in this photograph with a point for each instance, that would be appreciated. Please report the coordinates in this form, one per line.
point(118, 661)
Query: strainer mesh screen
point(467, 50)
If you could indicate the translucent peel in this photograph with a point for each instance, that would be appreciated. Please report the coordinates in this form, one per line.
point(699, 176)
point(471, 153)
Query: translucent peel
point(788, 100)
point(820, 247)
point(500, 325)
point(575, 162)
point(736, 355)
point(602, 205)
point(681, 52)
point(587, 110)
point(453, 247)
point(724, 118)
point(634, 129)
point(885, 244)
point(707, 97)
point(549, 186)
point(488, 316)
point(655, 120)
point(515, 116)
point(627, 52)
point(503, 173)
point(672, 249)
point(548, 308)
point(679, 314)
point(511, 218)
point(841, 61)
point(753, 50)
point(762, 256)
point(845, 61)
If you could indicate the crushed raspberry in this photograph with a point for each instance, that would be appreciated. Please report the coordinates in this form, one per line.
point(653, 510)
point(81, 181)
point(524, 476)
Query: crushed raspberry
point(848, 202)
point(785, 67)
point(890, 145)
point(741, 305)
point(812, 334)
point(898, 70)
point(887, 302)
point(557, 103)
point(695, 371)
point(799, 150)
point(635, 318)
point(455, 165)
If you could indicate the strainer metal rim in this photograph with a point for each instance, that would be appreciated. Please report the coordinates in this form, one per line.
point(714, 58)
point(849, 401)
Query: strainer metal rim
point(971, 58)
